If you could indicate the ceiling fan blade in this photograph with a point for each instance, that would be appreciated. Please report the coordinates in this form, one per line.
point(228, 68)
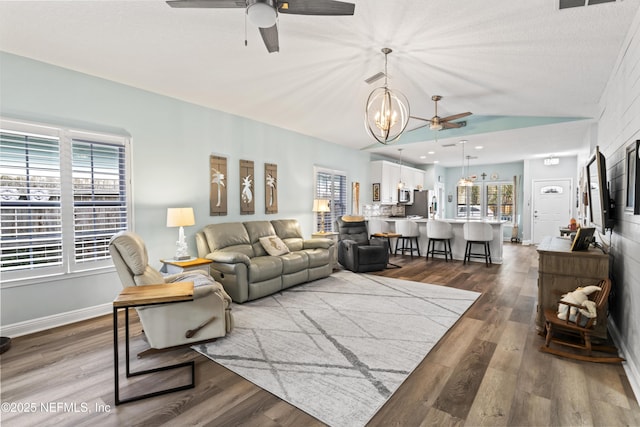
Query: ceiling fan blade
point(453, 125)
point(455, 117)
point(316, 7)
point(418, 127)
point(218, 4)
point(270, 38)
point(420, 118)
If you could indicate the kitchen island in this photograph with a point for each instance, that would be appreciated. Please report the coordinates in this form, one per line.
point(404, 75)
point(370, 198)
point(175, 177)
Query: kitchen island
point(458, 244)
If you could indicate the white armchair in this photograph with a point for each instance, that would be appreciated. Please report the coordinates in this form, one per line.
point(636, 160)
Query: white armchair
point(208, 316)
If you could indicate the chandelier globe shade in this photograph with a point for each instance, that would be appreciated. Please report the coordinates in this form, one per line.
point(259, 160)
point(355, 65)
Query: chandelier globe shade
point(387, 111)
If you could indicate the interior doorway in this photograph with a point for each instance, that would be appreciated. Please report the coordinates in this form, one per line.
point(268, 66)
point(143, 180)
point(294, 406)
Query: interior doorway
point(551, 207)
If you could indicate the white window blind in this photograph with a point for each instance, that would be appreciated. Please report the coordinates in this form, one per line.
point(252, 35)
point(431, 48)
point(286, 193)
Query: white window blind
point(64, 193)
point(331, 185)
point(99, 197)
point(30, 208)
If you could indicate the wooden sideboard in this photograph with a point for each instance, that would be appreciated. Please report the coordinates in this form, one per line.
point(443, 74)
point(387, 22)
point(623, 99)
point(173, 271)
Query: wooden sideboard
point(561, 271)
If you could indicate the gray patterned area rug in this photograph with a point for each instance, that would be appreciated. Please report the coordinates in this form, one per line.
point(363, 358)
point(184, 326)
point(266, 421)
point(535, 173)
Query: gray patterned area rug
point(337, 348)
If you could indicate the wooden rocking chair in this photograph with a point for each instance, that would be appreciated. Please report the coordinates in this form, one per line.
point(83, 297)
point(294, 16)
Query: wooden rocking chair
point(581, 327)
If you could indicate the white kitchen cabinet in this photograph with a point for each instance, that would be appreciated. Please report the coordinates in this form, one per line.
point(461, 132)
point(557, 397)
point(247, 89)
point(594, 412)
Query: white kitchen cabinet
point(388, 175)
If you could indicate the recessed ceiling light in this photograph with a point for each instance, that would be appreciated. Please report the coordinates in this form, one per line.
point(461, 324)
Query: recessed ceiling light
point(423, 157)
point(432, 152)
point(436, 161)
point(479, 147)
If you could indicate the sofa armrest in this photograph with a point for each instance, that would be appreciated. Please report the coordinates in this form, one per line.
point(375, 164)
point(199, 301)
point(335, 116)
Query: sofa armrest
point(379, 242)
point(229, 258)
point(319, 243)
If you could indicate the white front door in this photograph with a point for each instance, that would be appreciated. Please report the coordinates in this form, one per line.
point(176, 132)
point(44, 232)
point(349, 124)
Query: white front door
point(551, 207)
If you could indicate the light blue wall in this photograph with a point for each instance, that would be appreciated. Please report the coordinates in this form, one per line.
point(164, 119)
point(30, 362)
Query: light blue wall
point(171, 144)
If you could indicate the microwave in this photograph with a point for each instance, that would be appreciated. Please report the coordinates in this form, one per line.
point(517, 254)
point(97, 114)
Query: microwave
point(405, 196)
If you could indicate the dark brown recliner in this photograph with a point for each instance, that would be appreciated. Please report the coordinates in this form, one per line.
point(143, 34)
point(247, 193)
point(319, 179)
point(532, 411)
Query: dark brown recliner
point(355, 251)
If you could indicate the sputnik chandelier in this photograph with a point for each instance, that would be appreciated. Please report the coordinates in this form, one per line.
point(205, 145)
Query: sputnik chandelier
point(387, 111)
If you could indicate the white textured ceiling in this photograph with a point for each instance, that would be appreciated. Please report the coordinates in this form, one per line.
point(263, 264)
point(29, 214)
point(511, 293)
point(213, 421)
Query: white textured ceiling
point(495, 58)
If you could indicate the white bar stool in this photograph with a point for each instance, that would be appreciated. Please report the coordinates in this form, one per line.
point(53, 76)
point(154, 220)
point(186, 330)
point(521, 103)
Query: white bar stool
point(479, 233)
point(408, 231)
point(439, 231)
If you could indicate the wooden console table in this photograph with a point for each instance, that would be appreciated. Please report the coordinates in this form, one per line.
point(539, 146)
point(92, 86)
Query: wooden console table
point(561, 271)
point(138, 296)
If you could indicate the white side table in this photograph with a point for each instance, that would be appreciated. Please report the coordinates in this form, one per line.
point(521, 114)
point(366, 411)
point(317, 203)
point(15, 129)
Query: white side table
point(171, 266)
point(333, 236)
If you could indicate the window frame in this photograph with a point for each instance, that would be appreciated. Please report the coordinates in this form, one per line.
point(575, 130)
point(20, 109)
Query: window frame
point(66, 136)
point(483, 195)
point(329, 218)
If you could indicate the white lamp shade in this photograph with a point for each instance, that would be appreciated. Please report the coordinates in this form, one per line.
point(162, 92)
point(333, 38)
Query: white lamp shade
point(321, 205)
point(180, 217)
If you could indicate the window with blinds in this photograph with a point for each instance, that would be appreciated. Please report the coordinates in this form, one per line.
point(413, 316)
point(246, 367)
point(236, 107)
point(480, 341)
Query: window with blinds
point(64, 193)
point(30, 209)
point(330, 185)
point(99, 197)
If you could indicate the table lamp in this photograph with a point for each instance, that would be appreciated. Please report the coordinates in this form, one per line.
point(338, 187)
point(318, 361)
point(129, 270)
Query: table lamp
point(322, 206)
point(180, 217)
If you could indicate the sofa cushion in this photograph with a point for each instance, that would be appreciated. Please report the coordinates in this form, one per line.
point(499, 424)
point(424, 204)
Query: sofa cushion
point(256, 230)
point(317, 257)
point(264, 268)
point(230, 236)
point(290, 233)
point(274, 246)
point(294, 262)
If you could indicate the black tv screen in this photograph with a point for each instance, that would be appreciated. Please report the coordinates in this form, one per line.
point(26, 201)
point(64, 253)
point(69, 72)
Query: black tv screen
point(600, 214)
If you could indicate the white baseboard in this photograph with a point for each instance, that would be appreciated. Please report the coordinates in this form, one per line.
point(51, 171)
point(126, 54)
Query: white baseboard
point(630, 366)
point(48, 322)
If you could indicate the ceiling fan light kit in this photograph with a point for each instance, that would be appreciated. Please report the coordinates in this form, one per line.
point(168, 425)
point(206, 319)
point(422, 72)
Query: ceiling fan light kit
point(264, 13)
point(387, 111)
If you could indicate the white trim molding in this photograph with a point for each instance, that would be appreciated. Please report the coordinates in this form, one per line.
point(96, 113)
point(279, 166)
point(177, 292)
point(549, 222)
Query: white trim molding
point(55, 320)
point(630, 367)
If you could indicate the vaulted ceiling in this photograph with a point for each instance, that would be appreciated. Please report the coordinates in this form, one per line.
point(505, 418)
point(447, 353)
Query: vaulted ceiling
point(532, 74)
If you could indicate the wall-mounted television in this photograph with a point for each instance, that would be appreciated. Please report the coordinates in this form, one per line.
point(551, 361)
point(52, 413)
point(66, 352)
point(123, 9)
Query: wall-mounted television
point(600, 205)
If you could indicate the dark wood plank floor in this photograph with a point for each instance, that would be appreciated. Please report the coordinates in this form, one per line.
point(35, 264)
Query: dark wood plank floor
point(487, 370)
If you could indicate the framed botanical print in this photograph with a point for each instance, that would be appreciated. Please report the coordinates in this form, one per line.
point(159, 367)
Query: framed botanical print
point(376, 192)
point(271, 188)
point(247, 178)
point(218, 186)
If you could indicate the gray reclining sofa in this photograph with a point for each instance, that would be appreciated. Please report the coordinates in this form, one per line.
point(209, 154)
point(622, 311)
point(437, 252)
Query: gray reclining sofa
point(247, 271)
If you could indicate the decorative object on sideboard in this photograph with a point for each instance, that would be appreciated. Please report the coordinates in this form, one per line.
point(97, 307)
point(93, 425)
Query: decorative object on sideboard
point(387, 111)
point(218, 189)
point(181, 217)
point(247, 201)
point(321, 206)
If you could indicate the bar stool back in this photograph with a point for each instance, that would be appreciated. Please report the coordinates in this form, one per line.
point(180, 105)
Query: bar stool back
point(409, 233)
point(439, 231)
point(477, 233)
